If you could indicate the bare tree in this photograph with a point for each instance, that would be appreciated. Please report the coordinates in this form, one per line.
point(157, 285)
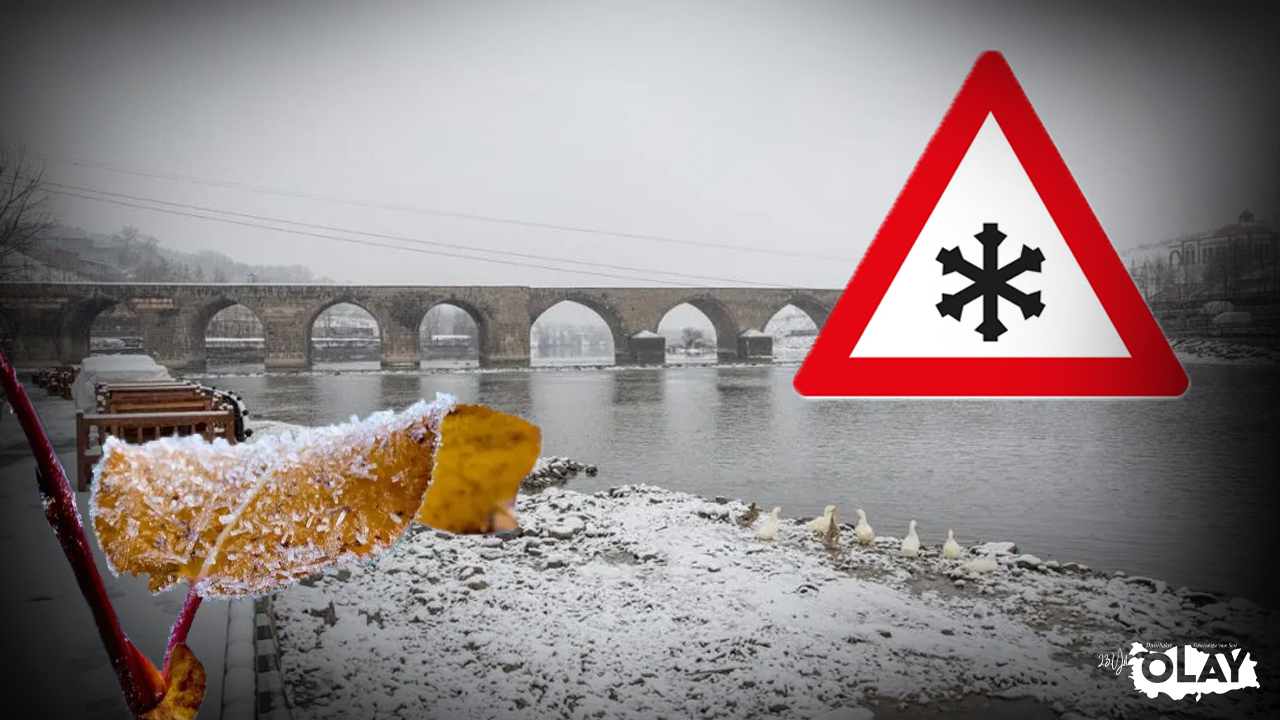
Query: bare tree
point(691, 337)
point(126, 238)
point(24, 204)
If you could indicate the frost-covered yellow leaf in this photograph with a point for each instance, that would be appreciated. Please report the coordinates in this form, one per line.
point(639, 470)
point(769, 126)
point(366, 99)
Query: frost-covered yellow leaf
point(481, 461)
point(184, 690)
point(246, 520)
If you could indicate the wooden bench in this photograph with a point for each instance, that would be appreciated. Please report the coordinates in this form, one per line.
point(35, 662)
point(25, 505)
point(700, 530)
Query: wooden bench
point(139, 427)
point(121, 406)
point(140, 386)
point(157, 386)
point(157, 397)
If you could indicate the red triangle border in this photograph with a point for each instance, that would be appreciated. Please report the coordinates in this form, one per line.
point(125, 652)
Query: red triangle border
point(1152, 370)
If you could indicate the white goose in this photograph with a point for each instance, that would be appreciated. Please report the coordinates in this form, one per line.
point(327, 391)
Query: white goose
point(831, 537)
point(951, 549)
point(911, 543)
point(820, 524)
point(983, 565)
point(770, 529)
point(863, 530)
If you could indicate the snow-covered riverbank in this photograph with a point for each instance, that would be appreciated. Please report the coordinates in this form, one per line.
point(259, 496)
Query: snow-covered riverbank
point(1205, 351)
point(642, 602)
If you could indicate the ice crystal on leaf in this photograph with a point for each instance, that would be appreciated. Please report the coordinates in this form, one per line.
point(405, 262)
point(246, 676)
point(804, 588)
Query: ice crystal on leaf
point(245, 520)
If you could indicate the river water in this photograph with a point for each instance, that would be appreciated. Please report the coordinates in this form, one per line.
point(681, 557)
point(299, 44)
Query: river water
point(1183, 490)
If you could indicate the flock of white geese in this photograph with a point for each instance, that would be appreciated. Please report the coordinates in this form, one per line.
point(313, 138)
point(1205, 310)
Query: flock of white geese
point(828, 530)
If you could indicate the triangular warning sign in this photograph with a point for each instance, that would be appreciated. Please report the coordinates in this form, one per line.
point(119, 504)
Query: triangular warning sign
point(991, 277)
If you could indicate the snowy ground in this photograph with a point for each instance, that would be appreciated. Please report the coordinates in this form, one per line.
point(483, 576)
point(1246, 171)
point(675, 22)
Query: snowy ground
point(1204, 351)
point(644, 603)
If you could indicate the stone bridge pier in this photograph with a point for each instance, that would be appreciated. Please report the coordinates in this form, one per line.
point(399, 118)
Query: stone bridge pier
point(166, 332)
point(31, 332)
point(285, 335)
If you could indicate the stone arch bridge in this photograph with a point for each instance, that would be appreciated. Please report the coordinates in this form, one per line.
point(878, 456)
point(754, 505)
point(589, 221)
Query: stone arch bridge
point(48, 323)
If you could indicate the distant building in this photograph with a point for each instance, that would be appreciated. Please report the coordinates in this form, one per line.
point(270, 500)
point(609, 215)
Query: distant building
point(80, 256)
point(1251, 239)
point(1236, 261)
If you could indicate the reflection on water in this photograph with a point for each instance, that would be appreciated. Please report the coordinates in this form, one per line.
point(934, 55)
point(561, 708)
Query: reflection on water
point(571, 361)
point(1180, 489)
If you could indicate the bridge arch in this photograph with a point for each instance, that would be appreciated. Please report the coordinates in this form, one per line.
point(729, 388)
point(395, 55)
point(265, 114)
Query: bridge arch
point(593, 353)
point(722, 320)
point(314, 312)
point(610, 315)
point(381, 323)
point(76, 324)
point(809, 305)
point(228, 320)
point(205, 312)
point(117, 329)
point(791, 332)
point(478, 328)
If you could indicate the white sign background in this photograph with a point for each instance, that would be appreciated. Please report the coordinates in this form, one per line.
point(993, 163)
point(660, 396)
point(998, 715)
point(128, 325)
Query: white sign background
point(990, 186)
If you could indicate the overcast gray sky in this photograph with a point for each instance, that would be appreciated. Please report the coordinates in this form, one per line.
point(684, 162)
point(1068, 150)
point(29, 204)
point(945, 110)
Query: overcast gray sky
point(784, 126)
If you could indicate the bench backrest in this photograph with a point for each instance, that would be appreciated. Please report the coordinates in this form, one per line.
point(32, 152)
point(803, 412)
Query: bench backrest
point(155, 397)
point(140, 427)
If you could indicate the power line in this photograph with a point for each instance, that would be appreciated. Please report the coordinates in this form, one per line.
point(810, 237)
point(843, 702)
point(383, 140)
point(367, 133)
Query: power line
point(351, 240)
point(370, 243)
point(402, 238)
point(446, 213)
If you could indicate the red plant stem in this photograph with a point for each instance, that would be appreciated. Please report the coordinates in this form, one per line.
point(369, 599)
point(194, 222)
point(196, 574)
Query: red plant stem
point(181, 627)
point(60, 509)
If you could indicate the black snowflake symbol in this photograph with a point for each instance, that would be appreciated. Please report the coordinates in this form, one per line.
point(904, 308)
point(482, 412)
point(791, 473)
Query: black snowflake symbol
point(991, 282)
